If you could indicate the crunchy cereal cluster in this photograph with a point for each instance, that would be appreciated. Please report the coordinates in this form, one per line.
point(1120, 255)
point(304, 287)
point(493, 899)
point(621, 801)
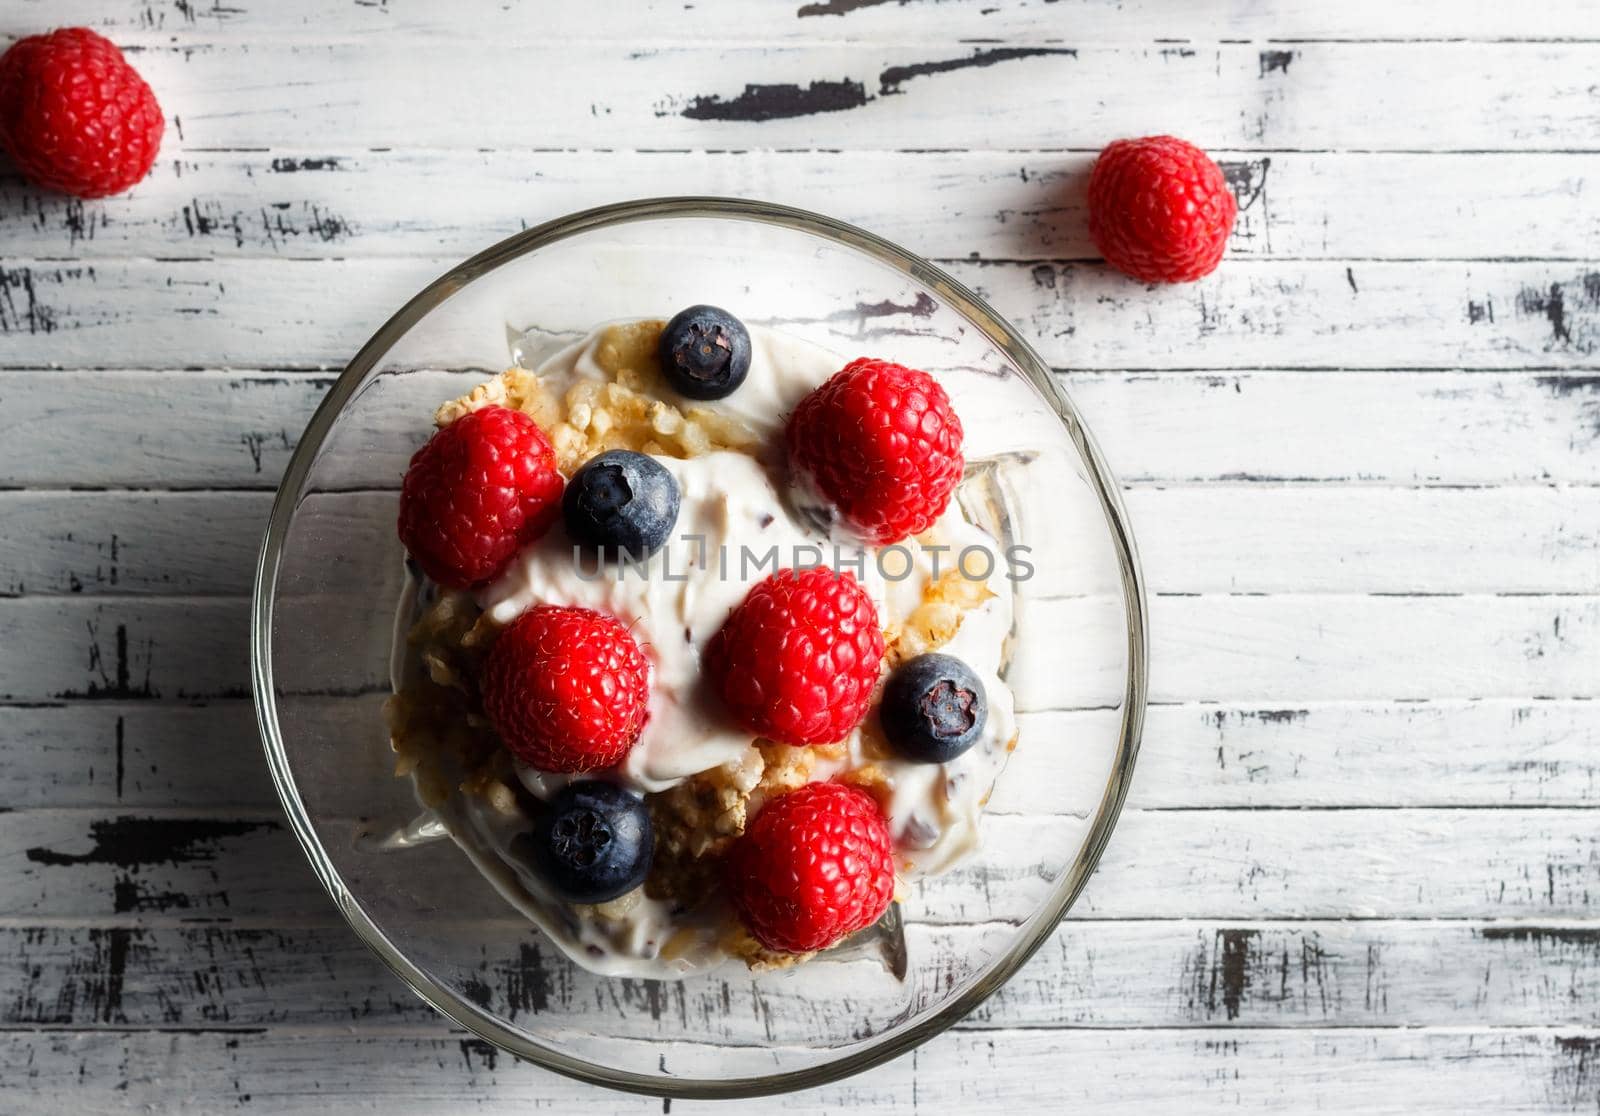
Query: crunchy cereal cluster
point(625, 411)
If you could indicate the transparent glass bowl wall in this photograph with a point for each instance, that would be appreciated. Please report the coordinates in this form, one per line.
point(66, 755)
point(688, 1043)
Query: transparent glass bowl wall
point(331, 575)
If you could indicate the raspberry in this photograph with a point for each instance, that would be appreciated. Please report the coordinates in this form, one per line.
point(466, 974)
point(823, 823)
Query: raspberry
point(880, 442)
point(74, 116)
point(480, 489)
point(797, 660)
point(567, 689)
point(1159, 209)
point(814, 866)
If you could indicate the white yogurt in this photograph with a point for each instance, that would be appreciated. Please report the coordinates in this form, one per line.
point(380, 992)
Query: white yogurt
point(735, 514)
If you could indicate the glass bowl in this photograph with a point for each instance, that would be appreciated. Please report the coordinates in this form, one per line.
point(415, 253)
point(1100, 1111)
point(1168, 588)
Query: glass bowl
point(331, 573)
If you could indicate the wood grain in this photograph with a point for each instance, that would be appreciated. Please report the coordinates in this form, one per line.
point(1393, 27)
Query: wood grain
point(237, 430)
point(280, 1072)
point(140, 754)
point(1283, 648)
point(704, 93)
point(1145, 974)
point(1191, 863)
point(1028, 205)
point(895, 21)
point(1231, 538)
point(1254, 313)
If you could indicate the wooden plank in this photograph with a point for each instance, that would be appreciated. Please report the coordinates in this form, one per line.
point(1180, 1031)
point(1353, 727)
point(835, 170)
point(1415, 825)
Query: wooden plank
point(493, 21)
point(275, 1072)
point(137, 755)
point(1252, 313)
point(1207, 864)
point(1133, 974)
point(1327, 754)
point(1300, 538)
point(710, 93)
point(1320, 538)
point(140, 755)
point(1273, 648)
point(206, 429)
point(997, 205)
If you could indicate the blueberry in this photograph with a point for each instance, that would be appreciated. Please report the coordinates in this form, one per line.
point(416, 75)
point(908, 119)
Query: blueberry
point(593, 842)
point(705, 352)
point(621, 502)
point(933, 708)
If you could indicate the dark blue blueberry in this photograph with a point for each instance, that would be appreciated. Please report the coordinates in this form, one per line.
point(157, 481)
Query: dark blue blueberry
point(705, 352)
point(593, 842)
point(933, 708)
point(622, 503)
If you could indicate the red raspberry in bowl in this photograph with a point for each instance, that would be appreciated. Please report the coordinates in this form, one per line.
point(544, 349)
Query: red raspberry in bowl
point(880, 442)
point(814, 866)
point(1160, 210)
point(74, 116)
point(478, 491)
point(796, 662)
point(566, 689)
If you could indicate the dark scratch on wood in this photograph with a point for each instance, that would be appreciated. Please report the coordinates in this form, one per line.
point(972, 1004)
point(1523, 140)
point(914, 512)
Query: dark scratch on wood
point(1247, 179)
point(291, 166)
point(482, 1052)
point(1274, 61)
point(1275, 716)
point(133, 842)
point(122, 688)
point(35, 316)
point(1233, 968)
point(923, 306)
point(1574, 1075)
point(528, 983)
point(779, 102)
point(1585, 937)
point(1224, 969)
point(115, 969)
point(477, 991)
point(1570, 308)
point(841, 7)
point(1552, 306)
point(890, 81)
point(120, 767)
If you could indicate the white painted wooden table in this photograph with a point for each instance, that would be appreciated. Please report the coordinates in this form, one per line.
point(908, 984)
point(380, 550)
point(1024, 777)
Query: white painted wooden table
point(1360, 867)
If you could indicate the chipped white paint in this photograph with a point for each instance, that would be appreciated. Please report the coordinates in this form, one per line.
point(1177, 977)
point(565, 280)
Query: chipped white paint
point(290, 1071)
point(940, 21)
point(1330, 889)
point(1190, 863)
point(136, 754)
point(1278, 648)
point(1255, 313)
point(1231, 537)
point(1148, 973)
point(699, 92)
point(1000, 204)
point(1416, 428)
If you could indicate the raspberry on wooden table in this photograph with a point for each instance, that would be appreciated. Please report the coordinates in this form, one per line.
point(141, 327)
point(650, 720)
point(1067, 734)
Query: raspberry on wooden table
point(478, 491)
point(814, 866)
point(1160, 209)
point(796, 662)
point(566, 689)
point(74, 116)
point(880, 442)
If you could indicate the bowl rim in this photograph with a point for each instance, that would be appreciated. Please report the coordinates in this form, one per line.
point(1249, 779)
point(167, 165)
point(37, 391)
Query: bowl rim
point(488, 1026)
